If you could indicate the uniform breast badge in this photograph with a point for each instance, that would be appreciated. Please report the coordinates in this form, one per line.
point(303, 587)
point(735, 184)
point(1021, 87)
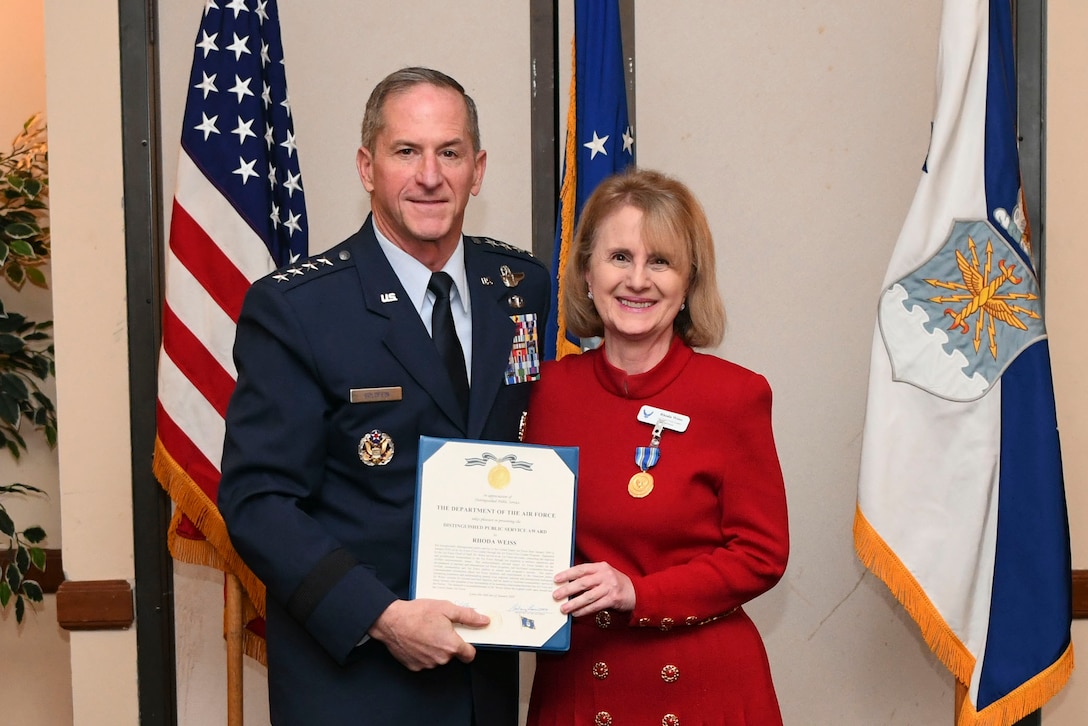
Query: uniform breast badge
point(376, 448)
point(510, 278)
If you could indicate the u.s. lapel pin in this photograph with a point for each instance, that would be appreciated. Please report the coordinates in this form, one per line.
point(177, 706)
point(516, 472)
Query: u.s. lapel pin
point(486, 281)
point(510, 278)
point(389, 297)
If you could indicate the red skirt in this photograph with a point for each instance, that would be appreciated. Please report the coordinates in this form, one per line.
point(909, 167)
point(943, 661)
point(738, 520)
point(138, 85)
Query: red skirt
point(616, 674)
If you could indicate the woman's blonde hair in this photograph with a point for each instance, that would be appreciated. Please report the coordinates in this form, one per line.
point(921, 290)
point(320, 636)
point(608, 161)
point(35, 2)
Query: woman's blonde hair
point(674, 226)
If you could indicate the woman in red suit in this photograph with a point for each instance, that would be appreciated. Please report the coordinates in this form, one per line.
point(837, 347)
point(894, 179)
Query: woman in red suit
point(681, 514)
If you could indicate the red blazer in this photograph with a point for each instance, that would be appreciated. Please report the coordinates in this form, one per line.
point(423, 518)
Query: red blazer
point(710, 536)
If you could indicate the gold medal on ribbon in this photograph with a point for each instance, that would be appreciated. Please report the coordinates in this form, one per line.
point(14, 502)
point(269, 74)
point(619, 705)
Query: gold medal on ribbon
point(640, 485)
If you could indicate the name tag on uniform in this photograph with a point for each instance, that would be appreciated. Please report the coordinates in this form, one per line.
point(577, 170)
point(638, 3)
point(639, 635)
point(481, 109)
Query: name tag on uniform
point(375, 395)
point(666, 419)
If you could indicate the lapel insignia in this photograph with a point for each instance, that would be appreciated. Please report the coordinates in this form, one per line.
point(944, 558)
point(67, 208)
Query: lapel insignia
point(376, 448)
point(486, 281)
point(389, 297)
point(510, 279)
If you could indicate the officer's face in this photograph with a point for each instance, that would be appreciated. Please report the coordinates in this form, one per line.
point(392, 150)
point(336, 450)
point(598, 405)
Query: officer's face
point(421, 171)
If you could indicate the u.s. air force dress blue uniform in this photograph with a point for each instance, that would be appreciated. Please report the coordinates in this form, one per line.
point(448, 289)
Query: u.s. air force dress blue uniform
point(330, 535)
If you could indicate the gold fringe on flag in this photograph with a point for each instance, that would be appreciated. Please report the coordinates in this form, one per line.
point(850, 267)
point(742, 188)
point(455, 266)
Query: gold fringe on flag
point(568, 196)
point(875, 554)
point(192, 502)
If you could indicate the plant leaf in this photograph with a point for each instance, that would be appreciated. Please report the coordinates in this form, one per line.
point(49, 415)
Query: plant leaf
point(20, 608)
point(10, 413)
point(13, 385)
point(36, 277)
point(14, 578)
point(10, 343)
point(37, 556)
point(6, 525)
point(32, 187)
point(21, 231)
point(5, 593)
point(22, 559)
point(15, 276)
point(34, 535)
point(32, 590)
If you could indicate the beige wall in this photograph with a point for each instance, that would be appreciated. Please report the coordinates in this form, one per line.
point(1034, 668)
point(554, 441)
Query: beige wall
point(802, 127)
point(35, 654)
point(1067, 259)
point(83, 93)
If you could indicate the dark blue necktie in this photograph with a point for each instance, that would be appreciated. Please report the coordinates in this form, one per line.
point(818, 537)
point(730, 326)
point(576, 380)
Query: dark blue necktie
point(444, 334)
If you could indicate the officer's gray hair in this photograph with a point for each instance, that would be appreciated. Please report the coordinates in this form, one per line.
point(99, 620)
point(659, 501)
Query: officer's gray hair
point(399, 82)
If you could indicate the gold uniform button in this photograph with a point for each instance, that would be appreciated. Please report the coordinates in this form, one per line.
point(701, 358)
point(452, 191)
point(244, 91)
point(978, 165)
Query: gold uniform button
point(600, 670)
point(643, 622)
point(691, 620)
point(670, 719)
point(670, 673)
point(666, 624)
point(603, 718)
point(604, 619)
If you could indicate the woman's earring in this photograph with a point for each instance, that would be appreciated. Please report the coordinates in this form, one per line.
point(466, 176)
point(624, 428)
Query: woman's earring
point(683, 306)
point(590, 294)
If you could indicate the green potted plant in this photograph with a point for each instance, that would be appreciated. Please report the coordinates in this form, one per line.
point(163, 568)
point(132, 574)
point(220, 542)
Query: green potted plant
point(26, 350)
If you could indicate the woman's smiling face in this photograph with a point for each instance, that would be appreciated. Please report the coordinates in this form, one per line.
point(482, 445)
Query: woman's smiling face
point(636, 291)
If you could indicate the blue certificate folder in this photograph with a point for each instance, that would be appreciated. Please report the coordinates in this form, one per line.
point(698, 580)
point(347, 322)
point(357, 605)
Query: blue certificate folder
point(494, 522)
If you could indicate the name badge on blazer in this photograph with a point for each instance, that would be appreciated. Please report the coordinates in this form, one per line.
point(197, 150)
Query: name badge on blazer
point(375, 395)
point(524, 365)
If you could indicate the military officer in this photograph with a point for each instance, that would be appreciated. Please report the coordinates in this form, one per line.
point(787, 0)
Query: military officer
point(408, 327)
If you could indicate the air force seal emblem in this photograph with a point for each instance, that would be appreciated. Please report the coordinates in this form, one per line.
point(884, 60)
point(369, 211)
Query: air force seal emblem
point(955, 324)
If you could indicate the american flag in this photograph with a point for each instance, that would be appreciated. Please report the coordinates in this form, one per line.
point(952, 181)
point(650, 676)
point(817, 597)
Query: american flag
point(239, 212)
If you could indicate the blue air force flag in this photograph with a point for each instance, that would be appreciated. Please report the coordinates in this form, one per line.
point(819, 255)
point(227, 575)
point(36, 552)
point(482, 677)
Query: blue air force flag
point(961, 504)
point(600, 141)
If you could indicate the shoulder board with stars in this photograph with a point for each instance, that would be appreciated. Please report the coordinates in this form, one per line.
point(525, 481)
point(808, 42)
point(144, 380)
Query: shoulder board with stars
point(310, 267)
point(496, 244)
point(509, 250)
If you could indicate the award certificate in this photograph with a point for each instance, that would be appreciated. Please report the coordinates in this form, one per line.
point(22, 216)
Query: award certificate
point(494, 522)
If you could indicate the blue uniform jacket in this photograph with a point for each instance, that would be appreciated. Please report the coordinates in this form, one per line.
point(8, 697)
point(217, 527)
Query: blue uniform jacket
point(329, 535)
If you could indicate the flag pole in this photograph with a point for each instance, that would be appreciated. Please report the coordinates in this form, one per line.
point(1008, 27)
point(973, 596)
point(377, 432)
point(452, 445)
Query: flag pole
point(233, 629)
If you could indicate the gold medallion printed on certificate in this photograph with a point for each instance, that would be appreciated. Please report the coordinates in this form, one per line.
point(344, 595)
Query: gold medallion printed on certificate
point(498, 477)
